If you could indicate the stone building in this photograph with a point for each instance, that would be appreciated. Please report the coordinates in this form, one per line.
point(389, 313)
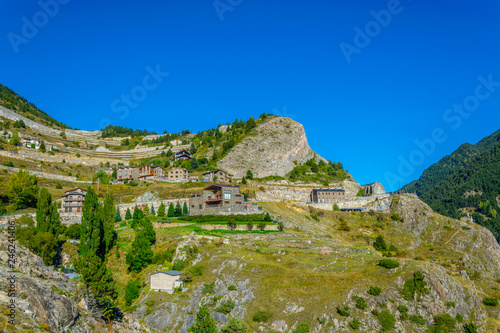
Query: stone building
point(178, 175)
point(72, 200)
point(373, 188)
point(211, 176)
point(182, 155)
point(218, 199)
point(165, 281)
point(151, 172)
point(127, 173)
point(327, 195)
point(29, 142)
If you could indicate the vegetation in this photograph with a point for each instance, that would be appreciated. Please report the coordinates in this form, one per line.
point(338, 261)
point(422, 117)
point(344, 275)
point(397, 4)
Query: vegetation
point(490, 301)
point(22, 190)
point(111, 131)
point(204, 323)
point(414, 288)
point(374, 291)
point(262, 316)
point(235, 325)
point(388, 263)
point(313, 171)
point(302, 328)
point(226, 307)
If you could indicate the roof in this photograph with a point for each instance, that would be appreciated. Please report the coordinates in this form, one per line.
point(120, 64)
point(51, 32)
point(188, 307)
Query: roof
point(171, 273)
point(215, 171)
point(221, 185)
point(77, 188)
point(184, 151)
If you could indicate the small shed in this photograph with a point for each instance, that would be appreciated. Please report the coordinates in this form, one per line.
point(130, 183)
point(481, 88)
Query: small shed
point(165, 281)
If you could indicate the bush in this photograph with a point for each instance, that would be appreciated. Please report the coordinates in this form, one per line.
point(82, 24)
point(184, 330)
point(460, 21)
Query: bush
point(388, 263)
point(374, 291)
point(361, 303)
point(58, 186)
point(393, 248)
point(262, 316)
point(418, 319)
point(208, 288)
point(354, 323)
point(387, 320)
point(490, 301)
point(395, 217)
point(179, 265)
point(470, 328)
point(444, 323)
point(235, 325)
point(132, 291)
point(302, 328)
point(231, 287)
point(415, 286)
point(380, 244)
point(8, 163)
point(343, 311)
point(196, 270)
point(226, 307)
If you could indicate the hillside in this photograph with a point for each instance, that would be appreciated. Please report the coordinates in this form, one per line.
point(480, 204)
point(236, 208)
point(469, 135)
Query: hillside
point(467, 181)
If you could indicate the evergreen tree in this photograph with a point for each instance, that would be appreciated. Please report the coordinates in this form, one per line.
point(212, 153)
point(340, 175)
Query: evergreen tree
point(128, 215)
point(147, 228)
point(22, 190)
point(42, 146)
point(243, 181)
point(249, 174)
point(204, 323)
point(108, 224)
point(152, 212)
point(171, 210)
point(138, 215)
point(178, 210)
point(194, 163)
point(118, 217)
point(145, 210)
point(380, 244)
point(267, 217)
point(161, 209)
point(185, 211)
point(91, 233)
point(42, 210)
point(141, 254)
point(114, 175)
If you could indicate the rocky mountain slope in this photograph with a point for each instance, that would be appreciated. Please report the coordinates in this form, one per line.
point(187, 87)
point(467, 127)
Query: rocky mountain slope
point(274, 149)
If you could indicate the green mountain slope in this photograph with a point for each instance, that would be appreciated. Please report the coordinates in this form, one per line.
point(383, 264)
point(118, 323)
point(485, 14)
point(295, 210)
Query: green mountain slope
point(13, 101)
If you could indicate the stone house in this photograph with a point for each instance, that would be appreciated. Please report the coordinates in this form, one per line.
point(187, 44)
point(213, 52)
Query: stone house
point(182, 155)
point(218, 199)
point(373, 188)
point(127, 173)
point(211, 176)
point(165, 281)
point(327, 195)
point(151, 172)
point(28, 141)
point(72, 200)
point(178, 175)
point(193, 178)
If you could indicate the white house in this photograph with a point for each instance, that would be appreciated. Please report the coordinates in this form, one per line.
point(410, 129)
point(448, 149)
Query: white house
point(165, 281)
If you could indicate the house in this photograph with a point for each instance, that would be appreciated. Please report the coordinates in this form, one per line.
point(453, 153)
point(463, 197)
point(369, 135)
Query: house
point(151, 172)
point(327, 194)
point(218, 199)
point(193, 178)
point(127, 173)
point(178, 175)
point(182, 155)
point(72, 200)
point(165, 281)
point(30, 142)
point(216, 176)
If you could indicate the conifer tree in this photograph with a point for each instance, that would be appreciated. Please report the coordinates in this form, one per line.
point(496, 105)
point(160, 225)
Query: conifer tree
point(152, 212)
point(118, 217)
point(47, 216)
point(161, 209)
point(178, 210)
point(204, 323)
point(141, 254)
point(147, 227)
point(108, 224)
point(128, 215)
point(171, 210)
point(145, 210)
point(185, 211)
point(91, 233)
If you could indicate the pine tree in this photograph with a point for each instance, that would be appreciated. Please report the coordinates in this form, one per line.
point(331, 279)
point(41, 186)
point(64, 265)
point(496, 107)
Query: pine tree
point(204, 323)
point(141, 254)
point(194, 163)
point(138, 215)
point(161, 209)
point(249, 174)
point(114, 175)
point(243, 181)
point(42, 147)
point(185, 211)
point(178, 210)
point(171, 210)
point(147, 227)
point(91, 233)
point(145, 210)
point(118, 217)
point(42, 210)
point(152, 212)
point(128, 215)
point(108, 223)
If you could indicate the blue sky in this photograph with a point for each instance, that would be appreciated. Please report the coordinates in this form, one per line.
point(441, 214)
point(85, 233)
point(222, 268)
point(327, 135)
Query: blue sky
point(365, 78)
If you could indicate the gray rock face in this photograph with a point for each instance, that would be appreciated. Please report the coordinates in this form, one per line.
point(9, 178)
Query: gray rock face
point(277, 143)
point(162, 317)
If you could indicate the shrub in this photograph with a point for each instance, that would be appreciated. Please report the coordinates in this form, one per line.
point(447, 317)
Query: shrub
point(418, 319)
point(395, 217)
point(387, 320)
point(450, 304)
point(402, 309)
point(415, 286)
point(354, 323)
point(262, 316)
point(380, 244)
point(393, 248)
point(302, 328)
point(459, 318)
point(490, 301)
point(179, 265)
point(208, 288)
point(132, 291)
point(226, 307)
point(73, 231)
point(343, 311)
point(388, 263)
point(8, 163)
point(470, 328)
point(235, 325)
point(196, 270)
point(336, 207)
point(58, 186)
point(361, 303)
point(444, 323)
point(344, 226)
point(375, 291)
point(231, 287)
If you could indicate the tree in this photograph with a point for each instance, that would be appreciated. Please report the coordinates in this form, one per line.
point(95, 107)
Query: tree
point(161, 209)
point(128, 215)
point(231, 223)
point(108, 224)
point(244, 181)
point(145, 210)
point(44, 244)
point(114, 175)
point(361, 192)
point(250, 124)
point(138, 215)
point(147, 227)
point(178, 210)
point(204, 323)
point(267, 217)
point(249, 174)
point(132, 291)
point(171, 210)
point(185, 211)
point(152, 211)
point(249, 225)
point(118, 217)
point(42, 146)
point(22, 190)
point(91, 233)
point(262, 226)
point(47, 216)
point(73, 231)
point(141, 254)
point(235, 325)
point(380, 244)
point(14, 140)
point(194, 163)
point(336, 207)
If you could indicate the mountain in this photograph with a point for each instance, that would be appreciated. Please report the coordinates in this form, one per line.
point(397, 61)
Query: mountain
point(466, 181)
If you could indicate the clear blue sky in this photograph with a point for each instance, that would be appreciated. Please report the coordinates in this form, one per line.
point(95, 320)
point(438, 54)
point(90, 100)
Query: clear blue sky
point(252, 56)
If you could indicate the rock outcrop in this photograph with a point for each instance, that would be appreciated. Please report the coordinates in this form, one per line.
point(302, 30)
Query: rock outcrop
point(272, 150)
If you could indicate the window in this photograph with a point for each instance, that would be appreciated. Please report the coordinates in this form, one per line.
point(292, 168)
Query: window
point(227, 195)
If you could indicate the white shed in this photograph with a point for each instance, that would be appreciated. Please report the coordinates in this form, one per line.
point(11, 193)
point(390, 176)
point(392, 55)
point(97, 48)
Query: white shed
point(165, 281)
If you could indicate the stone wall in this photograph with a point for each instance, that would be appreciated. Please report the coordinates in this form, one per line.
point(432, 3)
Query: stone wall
point(354, 203)
point(155, 203)
point(47, 175)
point(239, 227)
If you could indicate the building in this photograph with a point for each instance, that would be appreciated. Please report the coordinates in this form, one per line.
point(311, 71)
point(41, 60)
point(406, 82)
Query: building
point(373, 188)
point(72, 200)
point(178, 175)
point(193, 178)
point(182, 155)
point(30, 142)
point(216, 176)
point(327, 194)
point(165, 281)
point(218, 199)
point(127, 173)
point(151, 172)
